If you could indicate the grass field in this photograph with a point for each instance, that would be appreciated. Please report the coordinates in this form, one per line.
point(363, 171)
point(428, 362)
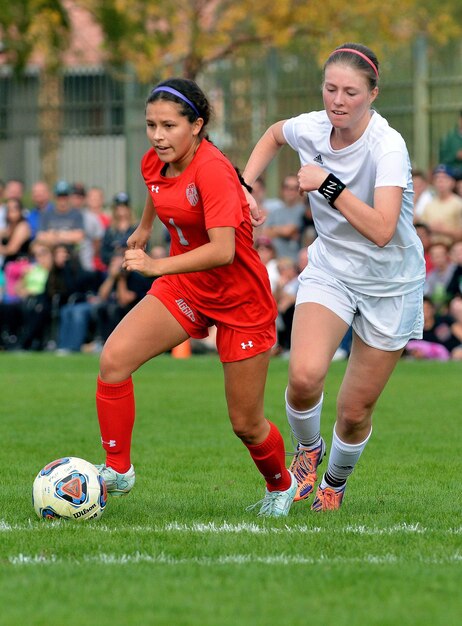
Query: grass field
point(182, 550)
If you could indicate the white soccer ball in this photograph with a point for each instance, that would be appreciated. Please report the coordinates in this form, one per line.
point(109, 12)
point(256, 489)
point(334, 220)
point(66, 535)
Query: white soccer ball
point(69, 488)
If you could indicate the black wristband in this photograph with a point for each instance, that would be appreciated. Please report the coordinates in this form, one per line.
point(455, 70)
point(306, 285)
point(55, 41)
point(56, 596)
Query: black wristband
point(243, 183)
point(331, 188)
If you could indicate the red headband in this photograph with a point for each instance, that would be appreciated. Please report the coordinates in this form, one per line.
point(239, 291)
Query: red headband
point(363, 56)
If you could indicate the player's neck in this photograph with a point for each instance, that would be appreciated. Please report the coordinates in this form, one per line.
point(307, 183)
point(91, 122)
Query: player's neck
point(344, 137)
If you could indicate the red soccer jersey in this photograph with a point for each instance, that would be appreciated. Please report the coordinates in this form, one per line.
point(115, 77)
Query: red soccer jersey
point(208, 195)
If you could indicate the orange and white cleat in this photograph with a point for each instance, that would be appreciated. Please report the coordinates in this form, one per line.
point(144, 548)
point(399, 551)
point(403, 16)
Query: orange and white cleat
point(304, 467)
point(328, 499)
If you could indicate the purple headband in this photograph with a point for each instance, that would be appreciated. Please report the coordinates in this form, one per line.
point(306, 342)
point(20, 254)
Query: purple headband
point(178, 94)
point(363, 56)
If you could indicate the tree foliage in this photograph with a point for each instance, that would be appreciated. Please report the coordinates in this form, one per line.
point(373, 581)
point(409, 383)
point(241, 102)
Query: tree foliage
point(40, 28)
point(34, 27)
point(158, 37)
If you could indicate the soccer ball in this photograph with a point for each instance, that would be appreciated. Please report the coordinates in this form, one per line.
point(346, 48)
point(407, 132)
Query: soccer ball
point(69, 488)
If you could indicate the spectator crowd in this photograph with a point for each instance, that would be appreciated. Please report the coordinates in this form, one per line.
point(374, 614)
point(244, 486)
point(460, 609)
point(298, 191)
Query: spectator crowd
point(63, 288)
point(62, 285)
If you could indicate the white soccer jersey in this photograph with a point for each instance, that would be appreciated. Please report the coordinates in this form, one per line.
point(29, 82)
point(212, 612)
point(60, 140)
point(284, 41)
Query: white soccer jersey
point(378, 159)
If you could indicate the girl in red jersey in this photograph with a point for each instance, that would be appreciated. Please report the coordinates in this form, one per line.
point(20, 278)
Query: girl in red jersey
point(213, 276)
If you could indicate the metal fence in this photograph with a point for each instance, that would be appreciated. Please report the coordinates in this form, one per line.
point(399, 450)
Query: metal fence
point(103, 137)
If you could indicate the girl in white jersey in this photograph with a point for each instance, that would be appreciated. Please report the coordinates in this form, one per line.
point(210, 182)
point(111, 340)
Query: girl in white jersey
point(365, 269)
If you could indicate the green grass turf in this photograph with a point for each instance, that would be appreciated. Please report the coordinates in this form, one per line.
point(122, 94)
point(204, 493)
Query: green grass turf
point(182, 550)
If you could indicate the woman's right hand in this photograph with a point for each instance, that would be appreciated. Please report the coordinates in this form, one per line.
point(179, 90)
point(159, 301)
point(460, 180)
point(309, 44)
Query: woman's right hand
point(139, 238)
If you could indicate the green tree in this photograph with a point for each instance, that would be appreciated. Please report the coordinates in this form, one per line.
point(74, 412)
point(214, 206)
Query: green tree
point(161, 37)
point(40, 28)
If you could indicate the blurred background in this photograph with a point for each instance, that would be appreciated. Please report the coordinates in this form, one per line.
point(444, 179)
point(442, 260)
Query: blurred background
point(74, 76)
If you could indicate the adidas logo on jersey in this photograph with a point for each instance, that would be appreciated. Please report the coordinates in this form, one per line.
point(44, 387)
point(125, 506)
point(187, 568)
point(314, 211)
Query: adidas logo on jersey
point(318, 159)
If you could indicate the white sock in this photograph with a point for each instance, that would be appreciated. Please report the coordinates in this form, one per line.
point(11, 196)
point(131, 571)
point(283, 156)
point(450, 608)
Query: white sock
point(342, 460)
point(305, 425)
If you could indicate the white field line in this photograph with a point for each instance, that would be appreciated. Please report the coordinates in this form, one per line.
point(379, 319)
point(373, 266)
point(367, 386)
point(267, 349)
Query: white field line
point(227, 528)
point(231, 559)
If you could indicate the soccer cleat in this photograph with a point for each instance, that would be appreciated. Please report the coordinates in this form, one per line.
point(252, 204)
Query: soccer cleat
point(328, 499)
point(304, 466)
point(276, 503)
point(117, 484)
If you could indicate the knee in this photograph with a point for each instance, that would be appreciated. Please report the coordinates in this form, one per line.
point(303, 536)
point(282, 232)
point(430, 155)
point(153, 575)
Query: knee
point(248, 430)
point(354, 418)
point(305, 385)
point(112, 364)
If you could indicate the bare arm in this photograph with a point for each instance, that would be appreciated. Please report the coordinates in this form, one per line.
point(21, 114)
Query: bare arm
point(377, 223)
point(54, 237)
point(18, 237)
point(264, 152)
point(140, 238)
point(217, 252)
point(113, 274)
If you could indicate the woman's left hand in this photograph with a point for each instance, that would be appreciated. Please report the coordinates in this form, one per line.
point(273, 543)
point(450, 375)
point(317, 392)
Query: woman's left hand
point(311, 177)
point(257, 216)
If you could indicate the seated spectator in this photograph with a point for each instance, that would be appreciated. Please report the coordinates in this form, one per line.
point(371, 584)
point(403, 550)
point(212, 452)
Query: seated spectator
point(264, 205)
point(308, 230)
point(2, 284)
point(451, 148)
point(67, 282)
point(438, 340)
point(455, 311)
point(443, 214)
point(283, 225)
point(62, 225)
point(437, 281)
point(78, 300)
point(96, 204)
point(265, 248)
point(458, 187)
point(41, 202)
point(117, 294)
point(90, 247)
point(285, 295)
point(454, 287)
point(34, 279)
point(425, 235)
point(15, 238)
point(16, 314)
point(13, 188)
point(269, 203)
point(423, 193)
point(121, 227)
point(14, 248)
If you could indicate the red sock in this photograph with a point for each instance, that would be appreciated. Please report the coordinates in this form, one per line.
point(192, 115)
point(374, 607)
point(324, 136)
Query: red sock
point(269, 457)
point(115, 403)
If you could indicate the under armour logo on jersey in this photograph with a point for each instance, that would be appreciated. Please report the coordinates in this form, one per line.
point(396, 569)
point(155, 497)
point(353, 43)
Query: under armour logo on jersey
point(111, 443)
point(155, 188)
point(318, 159)
point(249, 344)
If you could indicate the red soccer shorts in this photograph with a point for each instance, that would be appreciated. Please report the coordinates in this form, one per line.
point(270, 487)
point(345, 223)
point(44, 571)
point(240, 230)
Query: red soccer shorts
point(233, 344)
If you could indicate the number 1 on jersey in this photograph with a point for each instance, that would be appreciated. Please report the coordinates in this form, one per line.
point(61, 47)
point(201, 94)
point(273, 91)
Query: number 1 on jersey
point(181, 237)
